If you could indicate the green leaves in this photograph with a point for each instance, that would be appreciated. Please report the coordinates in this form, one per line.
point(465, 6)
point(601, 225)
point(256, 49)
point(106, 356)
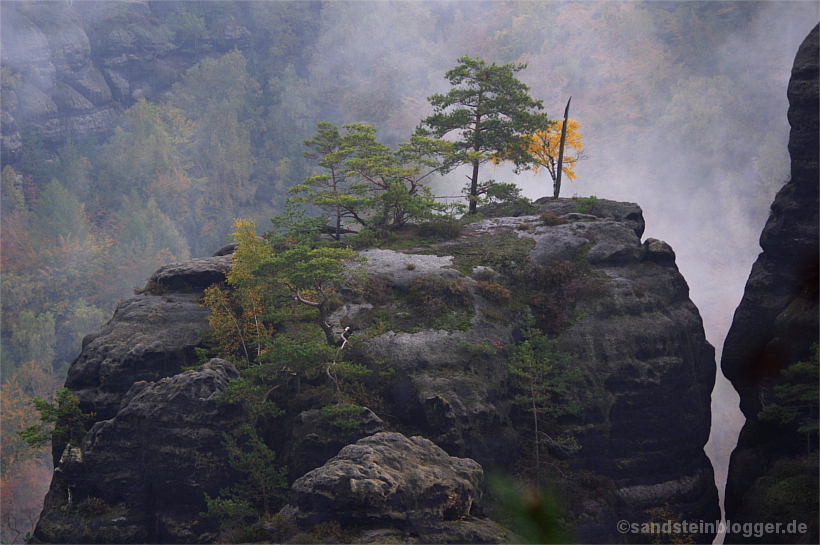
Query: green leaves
point(544, 376)
point(364, 181)
point(65, 412)
point(796, 399)
point(264, 483)
point(491, 111)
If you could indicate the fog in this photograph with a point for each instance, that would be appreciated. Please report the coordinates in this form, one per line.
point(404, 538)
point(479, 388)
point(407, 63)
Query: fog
point(682, 107)
point(704, 157)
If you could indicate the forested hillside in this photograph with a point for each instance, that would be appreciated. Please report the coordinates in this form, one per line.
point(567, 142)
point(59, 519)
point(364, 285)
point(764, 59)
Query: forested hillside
point(134, 133)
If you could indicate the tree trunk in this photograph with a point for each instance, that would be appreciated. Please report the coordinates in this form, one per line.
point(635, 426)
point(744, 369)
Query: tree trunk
point(474, 188)
point(561, 152)
point(338, 223)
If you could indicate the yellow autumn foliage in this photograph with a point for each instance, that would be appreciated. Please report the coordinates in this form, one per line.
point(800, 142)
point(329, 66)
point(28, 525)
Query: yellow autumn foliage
point(544, 148)
point(236, 318)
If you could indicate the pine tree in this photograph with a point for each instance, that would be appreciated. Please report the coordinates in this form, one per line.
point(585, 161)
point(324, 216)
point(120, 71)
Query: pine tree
point(491, 112)
point(544, 378)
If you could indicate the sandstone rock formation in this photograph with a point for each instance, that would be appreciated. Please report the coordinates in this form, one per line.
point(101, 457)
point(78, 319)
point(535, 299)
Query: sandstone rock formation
point(774, 327)
point(60, 94)
point(388, 479)
point(637, 339)
point(150, 337)
point(141, 476)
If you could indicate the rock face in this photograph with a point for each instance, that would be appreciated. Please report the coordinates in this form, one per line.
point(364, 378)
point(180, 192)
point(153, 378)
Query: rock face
point(387, 479)
point(59, 93)
point(77, 65)
point(644, 357)
point(439, 328)
point(775, 326)
point(150, 337)
point(314, 440)
point(141, 476)
point(640, 345)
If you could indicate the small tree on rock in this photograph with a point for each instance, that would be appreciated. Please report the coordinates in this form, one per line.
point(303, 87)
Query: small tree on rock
point(544, 376)
point(490, 112)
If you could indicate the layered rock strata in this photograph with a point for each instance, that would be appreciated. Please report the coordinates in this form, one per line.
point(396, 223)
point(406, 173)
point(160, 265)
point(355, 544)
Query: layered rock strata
point(635, 337)
point(141, 476)
point(72, 67)
point(774, 327)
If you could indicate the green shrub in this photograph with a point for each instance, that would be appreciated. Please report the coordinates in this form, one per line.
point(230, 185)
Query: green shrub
point(556, 275)
point(255, 534)
point(67, 417)
point(366, 238)
point(380, 322)
point(440, 229)
point(433, 296)
point(585, 206)
point(377, 289)
point(795, 398)
point(342, 415)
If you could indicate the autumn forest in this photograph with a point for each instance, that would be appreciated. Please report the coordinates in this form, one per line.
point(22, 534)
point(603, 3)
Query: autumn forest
point(681, 106)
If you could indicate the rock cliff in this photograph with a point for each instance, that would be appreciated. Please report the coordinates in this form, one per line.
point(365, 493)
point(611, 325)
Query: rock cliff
point(774, 327)
point(618, 306)
point(74, 67)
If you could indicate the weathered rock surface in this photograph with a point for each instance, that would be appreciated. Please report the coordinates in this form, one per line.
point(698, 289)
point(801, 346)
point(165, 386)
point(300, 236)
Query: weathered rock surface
point(314, 440)
point(645, 357)
point(639, 343)
point(61, 94)
point(775, 326)
point(196, 274)
point(148, 468)
point(389, 479)
point(150, 337)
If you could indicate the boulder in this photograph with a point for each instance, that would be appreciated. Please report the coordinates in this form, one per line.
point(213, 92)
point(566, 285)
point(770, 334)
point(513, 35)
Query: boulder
point(559, 243)
point(89, 82)
point(70, 101)
point(148, 338)
point(70, 48)
point(389, 479)
point(35, 105)
point(627, 213)
point(195, 274)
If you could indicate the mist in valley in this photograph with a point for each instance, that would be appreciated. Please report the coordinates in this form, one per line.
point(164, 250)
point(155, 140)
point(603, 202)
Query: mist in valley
point(682, 107)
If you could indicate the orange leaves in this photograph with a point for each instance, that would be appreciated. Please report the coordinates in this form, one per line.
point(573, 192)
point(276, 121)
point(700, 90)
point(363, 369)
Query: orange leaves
point(169, 188)
point(18, 412)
